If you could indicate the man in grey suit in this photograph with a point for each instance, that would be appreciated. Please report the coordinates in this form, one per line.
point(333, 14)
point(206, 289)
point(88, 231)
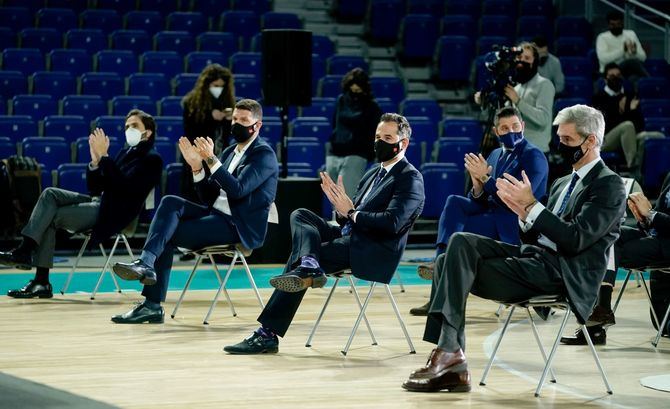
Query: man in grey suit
point(573, 234)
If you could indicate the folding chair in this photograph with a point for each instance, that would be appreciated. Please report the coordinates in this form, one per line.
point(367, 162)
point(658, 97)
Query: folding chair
point(234, 251)
point(361, 316)
point(552, 301)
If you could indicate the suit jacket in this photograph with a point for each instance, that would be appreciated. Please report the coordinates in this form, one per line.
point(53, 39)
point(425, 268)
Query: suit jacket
point(383, 222)
point(584, 232)
point(525, 156)
point(661, 222)
point(123, 184)
point(251, 189)
point(536, 105)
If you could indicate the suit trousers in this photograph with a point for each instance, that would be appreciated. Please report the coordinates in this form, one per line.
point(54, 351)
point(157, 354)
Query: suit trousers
point(489, 269)
point(457, 213)
point(622, 137)
point(58, 209)
point(636, 249)
point(180, 223)
point(311, 236)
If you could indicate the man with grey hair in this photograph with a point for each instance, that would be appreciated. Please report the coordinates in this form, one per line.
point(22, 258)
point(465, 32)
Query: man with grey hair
point(566, 250)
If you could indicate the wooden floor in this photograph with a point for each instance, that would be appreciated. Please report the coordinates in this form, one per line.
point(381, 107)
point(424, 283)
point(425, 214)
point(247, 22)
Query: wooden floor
point(70, 344)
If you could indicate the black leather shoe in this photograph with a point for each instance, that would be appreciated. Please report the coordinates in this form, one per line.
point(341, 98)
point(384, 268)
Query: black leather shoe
point(32, 290)
point(13, 258)
point(298, 279)
point(137, 270)
point(255, 344)
point(420, 311)
point(601, 316)
point(141, 313)
point(597, 333)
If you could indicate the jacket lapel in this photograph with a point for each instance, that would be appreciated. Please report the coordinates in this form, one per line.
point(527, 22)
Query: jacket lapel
point(595, 171)
point(387, 180)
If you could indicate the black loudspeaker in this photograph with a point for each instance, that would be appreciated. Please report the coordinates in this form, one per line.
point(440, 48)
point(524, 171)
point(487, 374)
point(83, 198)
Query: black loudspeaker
point(287, 67)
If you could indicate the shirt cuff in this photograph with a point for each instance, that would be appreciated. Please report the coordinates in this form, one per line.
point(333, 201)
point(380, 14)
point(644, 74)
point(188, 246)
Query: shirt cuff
point(533, 214)
point(353, 216)
point(92, 167)
point(216, 167)
point(197, 177)
point(476, 196)
point(650, 217)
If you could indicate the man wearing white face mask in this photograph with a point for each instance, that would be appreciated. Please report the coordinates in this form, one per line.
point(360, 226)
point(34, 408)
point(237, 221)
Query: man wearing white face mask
point(118, 188)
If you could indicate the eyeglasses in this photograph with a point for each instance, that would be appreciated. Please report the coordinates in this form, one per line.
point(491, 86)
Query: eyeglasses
point(503, 129)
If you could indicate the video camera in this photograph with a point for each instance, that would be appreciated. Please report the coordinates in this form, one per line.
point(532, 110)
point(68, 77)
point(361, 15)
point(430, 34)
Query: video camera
point(501, 64)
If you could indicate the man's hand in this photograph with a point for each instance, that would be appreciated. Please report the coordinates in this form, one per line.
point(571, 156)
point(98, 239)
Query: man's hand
point(641, 203)
point(98, 144)
point(634, 104)
point(190, 154)
point(336, 194)
point(204, 147)
point(511, 94)
point(478, 98)
point(516, 194)
point(636, 213)
point(218, 115)
point(622, 105)
point(477, 166)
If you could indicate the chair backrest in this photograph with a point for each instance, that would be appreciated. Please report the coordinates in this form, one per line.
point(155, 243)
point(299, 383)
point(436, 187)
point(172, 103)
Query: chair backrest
point(154, 85)
point(454, 58)
point(197, 60)
point(184, 82)
point(88, 106)
point(25, 60)
point(72, 176)
point(70, 127)
point(106, 20)
point(90, 39)
point(171, 127)
point(171, 106)
point(330, 86)
point(104, 84)
point(15, 18)
point(137, 41)
point(321, 106)
point(122, 104)
point(43, 39)
point(453, 150)
point(225, 43)
point(246, 63)
point(37, 106)
point(169, 63)
point(276, 20)
point(15, 127)
point(74, 61)
point(56, 83)
point(247, 86)
point(149, 21)
point(122, 62)
point(12, 83)
point(342, 64)
point(49, 151)
point(384, 18)
point(422, 107)
point(322, 46)
point(444, 179)
point(193, 22)
point(181, 42)
point(173, 178)
point(388, 87)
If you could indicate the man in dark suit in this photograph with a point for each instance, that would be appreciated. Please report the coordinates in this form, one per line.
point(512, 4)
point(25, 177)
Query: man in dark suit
point(118, 189)
point(370, 239)
point(482, 212)
point(239, 194)
point(569, 256)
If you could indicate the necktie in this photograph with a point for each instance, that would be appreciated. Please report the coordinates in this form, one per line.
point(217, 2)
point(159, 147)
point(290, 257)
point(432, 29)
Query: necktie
point(346, 229)
point(571, 187)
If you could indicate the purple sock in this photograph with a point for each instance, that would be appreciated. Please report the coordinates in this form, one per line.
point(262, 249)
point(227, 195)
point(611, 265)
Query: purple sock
point(309, 262)
point(265, 332)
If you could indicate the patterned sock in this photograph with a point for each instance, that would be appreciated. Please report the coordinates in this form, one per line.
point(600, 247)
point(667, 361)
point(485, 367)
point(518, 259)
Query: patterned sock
point(265, 332)
point(309, 262)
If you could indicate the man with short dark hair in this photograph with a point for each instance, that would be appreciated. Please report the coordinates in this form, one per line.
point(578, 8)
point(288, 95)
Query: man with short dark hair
point(118, 189)
point(622, 47)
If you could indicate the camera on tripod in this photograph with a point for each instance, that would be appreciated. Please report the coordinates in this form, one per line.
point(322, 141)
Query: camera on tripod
point(501, 64)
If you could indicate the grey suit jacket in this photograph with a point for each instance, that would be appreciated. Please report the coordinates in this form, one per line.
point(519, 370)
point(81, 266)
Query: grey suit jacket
point(584, 232)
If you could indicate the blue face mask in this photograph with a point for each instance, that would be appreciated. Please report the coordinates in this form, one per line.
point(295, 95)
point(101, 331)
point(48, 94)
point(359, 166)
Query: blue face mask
point(511, 139)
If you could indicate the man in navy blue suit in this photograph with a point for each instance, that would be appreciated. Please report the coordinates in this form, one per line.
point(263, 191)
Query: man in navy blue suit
point(482, 211)
point(370, 239)
point(238, 194)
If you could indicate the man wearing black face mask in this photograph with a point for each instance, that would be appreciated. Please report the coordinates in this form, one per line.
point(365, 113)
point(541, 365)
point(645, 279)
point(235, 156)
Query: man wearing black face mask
point(549, 65)
point(370, 239)
point(238, 194)
point(622, 47)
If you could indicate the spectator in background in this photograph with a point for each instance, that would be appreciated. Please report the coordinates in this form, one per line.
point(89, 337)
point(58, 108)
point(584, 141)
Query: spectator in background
point(208, 110)
point(352, 141)
point(549, 65)
point(622, 47)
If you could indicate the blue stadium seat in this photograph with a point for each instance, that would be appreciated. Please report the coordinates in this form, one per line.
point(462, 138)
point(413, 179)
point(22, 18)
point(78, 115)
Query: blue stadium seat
point(197, 60)
point(212, 7)
point(657, 67)
point(154, 85)
point(422, 107)
point(122, 104)
point(324, 107)
point(351, 10)
point(537, 8)
point(387, 104)
point(15, 127)
point(432, 7)
point(578, 87)
point(318, 71)
point(499, 7)
point(486, 44)
point(32, 5)
point(69, 127)
point(185, 82)
point(90, 39)
point(570, 46)
point(384, 18)
point(471, 8)
point(658, 124)
point(7, 147)
point(173, 180)
point(180, 41)
point(453, 150)
point(166, 148)
point(322, 46)
point(166, 62)
point(414, 153)
point(497, 25)
point(192, 21)
point(164, 6)
point(388, 87)
point(275, 112)
point(271, 131)
point(444, 179)
point(171, 106)
point(3, 107)
point(43, 39)
point(301, 169)
point(418, 36)
point(576, 67)
point(225, 43)
point(83, 153)
point(75, 61)
point(105, 84)
point(330, 86)
point(258, 7)
point(423, 129)
point(7, 38)
point(306, 149)
point(311, 126)
point(275, 20)
point(49, 151)
point(47, 177)
point(122, 62)
point(75, 5)
point(149, 21)
point(113, 125)
point(243, 24)
point(88, 106)
point(652, 88)
point(454, 57)
point(461, 128)
point(59, 18)
point(561, 103)
point(247, 86)
point(459, 25)
point(106, 20)
point(341, 64)
point(137, 41)
point(655, 108)
point(72, 177)
point(655, 164)
point(15, 18)
point(171, 127)
point(572, 26)
point(531, 26)
point(122, 6)
point(37, 106)
point(246, 63)
point(12, 83)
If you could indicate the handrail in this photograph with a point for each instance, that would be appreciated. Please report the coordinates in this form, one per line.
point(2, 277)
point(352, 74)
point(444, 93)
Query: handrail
point(649, 8)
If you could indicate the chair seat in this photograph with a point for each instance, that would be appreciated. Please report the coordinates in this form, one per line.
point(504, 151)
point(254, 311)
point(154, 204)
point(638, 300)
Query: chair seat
point(225, 249)
point(551, 300)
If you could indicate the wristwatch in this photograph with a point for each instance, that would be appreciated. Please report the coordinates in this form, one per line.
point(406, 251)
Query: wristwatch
point(350, 214)
point(485, 178)
point(211, 160)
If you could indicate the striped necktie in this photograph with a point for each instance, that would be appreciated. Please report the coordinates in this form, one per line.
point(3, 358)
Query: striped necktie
point(566, 198)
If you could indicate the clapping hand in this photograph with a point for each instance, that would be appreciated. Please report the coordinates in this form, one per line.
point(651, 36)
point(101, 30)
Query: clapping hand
point(641, 204)
point(477, 166)
point(190, 154)
point(98, 144)
point(516, 194)
point(204, 147)
point(336, 194)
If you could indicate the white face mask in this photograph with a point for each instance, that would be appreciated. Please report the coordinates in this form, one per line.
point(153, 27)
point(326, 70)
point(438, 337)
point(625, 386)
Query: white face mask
point(133, 136)
point(216, 91)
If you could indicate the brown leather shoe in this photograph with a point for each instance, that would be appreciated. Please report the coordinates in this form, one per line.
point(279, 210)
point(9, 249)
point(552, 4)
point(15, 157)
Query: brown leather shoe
point(420, 311)
point(444, 370)
point(425, 271)
point(601, 316)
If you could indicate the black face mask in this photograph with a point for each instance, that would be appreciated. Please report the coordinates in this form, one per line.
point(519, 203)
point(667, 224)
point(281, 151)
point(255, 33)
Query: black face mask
point(571, 154)
point(242, 133)
point(616, 32)
point(524, 71)
point(355, 96)
point(614, 83)
point(385, 151)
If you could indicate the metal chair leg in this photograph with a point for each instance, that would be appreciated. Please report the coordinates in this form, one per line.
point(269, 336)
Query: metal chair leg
point(397, 276)
point(321, 313)
point(661, 327)
point(251, 280)
point(651, 306)
point(550, 359)
point(130, 251)
point(104, 269)
point(495, 348)
point(360, 317)
point(222, 288)
point(595, 357)
point(499, 310)
point(623, 288)
point(360, 307)
point(400, 320)
point(539, 344)
point(188, 284)
point(74, 266)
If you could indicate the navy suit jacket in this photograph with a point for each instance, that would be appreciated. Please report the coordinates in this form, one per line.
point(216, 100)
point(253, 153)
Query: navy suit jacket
point(525, 156)
point(123, 184)
point(383, 222)
point(251, 189)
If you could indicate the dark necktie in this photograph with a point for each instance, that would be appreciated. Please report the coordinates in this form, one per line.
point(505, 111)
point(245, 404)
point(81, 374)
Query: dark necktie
point(346, 229)
point(571, 187)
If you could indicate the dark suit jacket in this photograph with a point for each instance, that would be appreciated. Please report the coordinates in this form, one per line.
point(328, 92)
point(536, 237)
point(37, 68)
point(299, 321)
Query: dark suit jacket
point(379, 236)
point(123, 184)
point(584, 232)
point(525, 156)
point(251, 189)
